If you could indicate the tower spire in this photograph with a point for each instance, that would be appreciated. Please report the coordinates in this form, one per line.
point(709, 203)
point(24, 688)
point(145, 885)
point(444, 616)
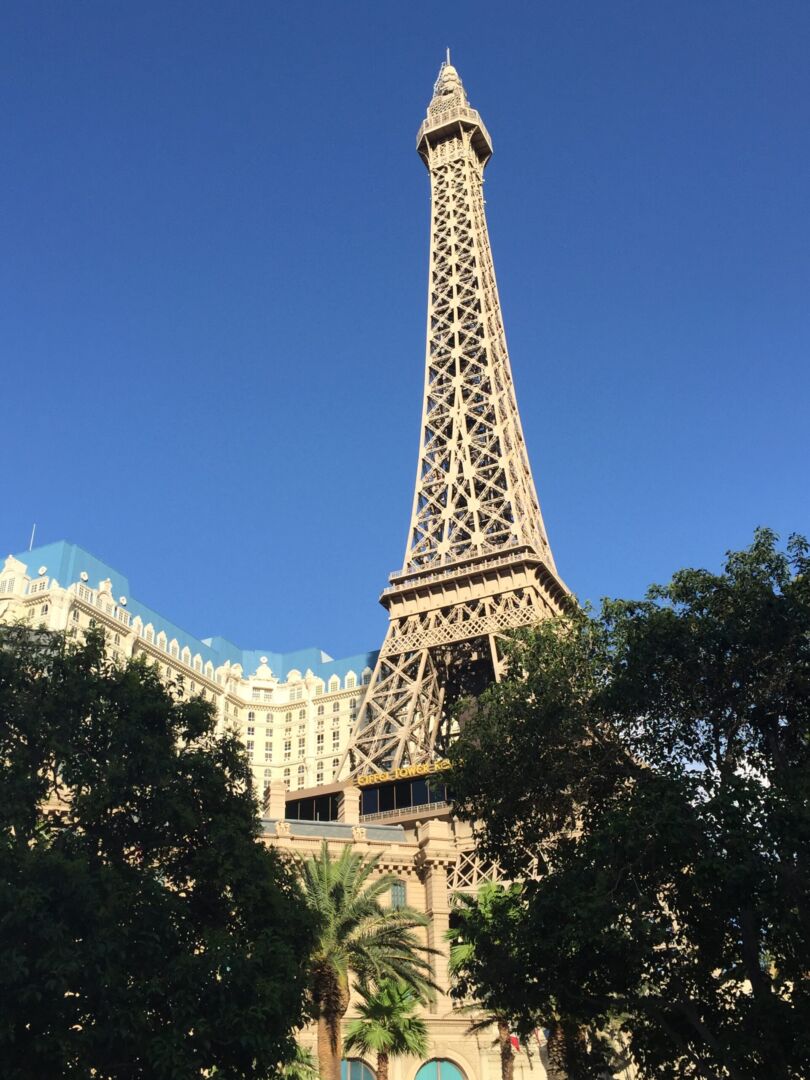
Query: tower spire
point(477, 560)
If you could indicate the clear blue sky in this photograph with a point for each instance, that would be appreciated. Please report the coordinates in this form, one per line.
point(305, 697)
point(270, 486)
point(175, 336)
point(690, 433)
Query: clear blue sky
point(213, 281)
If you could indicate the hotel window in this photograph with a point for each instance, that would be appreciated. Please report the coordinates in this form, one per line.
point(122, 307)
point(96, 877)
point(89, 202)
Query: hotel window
point(268, 751)
point(366, 678)
point(256, 695)
point(319, 773)
point(251, 729)
point(398, 894)
point(249, 744)
point(75, 615)
point(335, 767)
point(302, 714)
point(251, 716)
point(302, 745)
point(335, 706)
point(287, 749)
point(351, 682)
point(300, 774)
point(287, 778)
point(320, 710)
point(288, 717)
point(319, 744)
point(335, 740)
point(353, 704)
point(268, 772)
point(318, 689)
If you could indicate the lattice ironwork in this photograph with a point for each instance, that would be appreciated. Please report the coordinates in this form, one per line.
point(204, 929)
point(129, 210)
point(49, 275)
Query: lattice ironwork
point(470, 871)
point(477, 561)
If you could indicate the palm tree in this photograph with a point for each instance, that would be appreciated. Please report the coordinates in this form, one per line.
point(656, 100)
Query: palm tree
point(387, 1025)
point(357, 935)
point(473, 919)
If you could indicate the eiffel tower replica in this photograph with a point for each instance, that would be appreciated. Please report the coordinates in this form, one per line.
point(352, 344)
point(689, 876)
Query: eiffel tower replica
point(478, 562)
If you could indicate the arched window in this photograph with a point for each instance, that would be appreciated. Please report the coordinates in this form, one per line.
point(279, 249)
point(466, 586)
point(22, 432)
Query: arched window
point(351, 681)
point(355, 1069)
point(440, 1069)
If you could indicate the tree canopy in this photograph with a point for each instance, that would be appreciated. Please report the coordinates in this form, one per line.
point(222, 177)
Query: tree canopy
point(145, 932)
point(646, 771)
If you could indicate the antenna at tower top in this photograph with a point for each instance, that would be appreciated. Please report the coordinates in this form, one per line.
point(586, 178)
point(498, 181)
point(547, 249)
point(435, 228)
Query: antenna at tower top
point(448, 56)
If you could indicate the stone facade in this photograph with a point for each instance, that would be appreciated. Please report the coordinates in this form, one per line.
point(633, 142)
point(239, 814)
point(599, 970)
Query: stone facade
point(426, 856)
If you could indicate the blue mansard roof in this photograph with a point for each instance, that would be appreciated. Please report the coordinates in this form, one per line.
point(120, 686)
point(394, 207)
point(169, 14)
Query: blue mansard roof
point(66, 562)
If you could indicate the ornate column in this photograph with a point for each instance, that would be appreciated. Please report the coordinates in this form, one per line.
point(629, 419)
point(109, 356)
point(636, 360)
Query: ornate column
point(436, 855)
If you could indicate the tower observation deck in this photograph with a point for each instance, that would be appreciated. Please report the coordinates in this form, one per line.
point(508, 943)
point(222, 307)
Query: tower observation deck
point(477, 561)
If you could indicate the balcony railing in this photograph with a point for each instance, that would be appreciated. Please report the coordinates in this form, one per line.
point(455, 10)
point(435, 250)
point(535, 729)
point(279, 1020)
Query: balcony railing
point(385, 815)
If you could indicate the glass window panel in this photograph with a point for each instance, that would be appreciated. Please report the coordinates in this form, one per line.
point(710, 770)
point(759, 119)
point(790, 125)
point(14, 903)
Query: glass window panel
point(419, 793)
point(437, 792)
point(370, 801)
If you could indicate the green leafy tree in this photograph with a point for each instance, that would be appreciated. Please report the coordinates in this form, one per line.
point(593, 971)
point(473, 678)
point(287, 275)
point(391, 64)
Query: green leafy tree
point(647, 772)
point(301, 1066)
point(146, 932)
point(482, 965)
point(357, 936)
point(387, 1024)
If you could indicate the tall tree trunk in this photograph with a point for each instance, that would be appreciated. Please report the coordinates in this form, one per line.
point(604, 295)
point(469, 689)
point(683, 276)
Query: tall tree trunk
point(382, 1065)
point(557, 1054)
point(326, 1056)
point(332, 997)
point(507, 1051)
point(335, 1045)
